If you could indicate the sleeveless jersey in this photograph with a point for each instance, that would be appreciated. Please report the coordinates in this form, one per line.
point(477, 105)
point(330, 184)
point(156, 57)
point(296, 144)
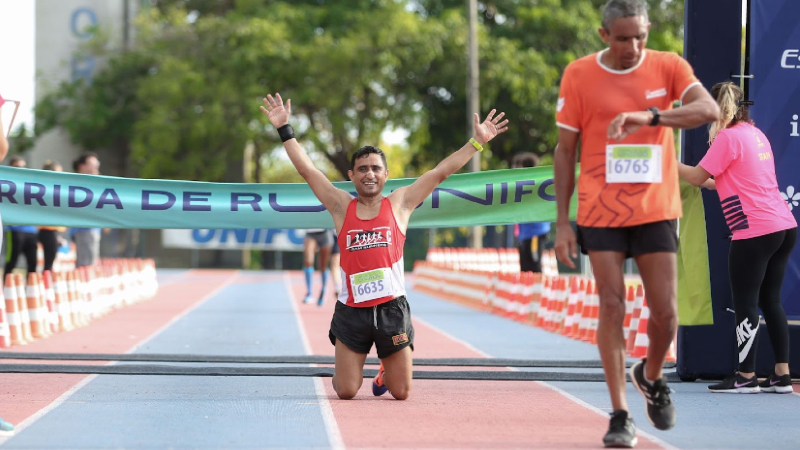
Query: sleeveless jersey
point(371, 257)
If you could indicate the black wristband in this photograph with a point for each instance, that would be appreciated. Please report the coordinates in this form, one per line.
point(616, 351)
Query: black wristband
point(656, 116)
point(286, 132)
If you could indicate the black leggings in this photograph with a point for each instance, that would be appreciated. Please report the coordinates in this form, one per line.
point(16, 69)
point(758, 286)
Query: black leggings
point(21, 243)
point(756, 267)
point(49, 240)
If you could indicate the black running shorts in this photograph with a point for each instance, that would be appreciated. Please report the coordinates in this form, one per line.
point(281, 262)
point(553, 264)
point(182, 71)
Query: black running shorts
point(388, 325)
point(633, 241)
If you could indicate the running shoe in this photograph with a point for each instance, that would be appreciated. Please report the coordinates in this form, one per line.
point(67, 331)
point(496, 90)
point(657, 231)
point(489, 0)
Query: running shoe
point(308, 298)
point(736, 384)
point(660, 410)
point(777, 384)
point(321, 300)
point(621, 431)
point(378, 386)
point(6, 429)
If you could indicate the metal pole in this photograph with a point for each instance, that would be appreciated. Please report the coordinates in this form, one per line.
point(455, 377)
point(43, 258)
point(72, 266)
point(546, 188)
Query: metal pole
point(473, 106)
point(126, 24)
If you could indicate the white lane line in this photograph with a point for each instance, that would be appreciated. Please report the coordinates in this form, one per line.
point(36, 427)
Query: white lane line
point(586, 405)
point(331, 427)
point(66, 395)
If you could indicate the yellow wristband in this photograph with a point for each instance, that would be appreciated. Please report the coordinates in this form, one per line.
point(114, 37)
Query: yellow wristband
point(475, 144)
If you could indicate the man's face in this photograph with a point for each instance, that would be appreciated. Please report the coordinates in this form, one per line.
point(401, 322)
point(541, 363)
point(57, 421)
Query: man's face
point(626, 39)
point(369, 175)
point(90, 167)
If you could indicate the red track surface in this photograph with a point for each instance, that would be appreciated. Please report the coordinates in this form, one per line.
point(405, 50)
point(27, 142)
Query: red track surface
point(454, 414)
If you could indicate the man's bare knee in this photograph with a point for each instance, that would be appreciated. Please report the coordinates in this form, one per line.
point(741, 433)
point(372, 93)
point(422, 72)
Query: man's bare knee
point(663, 316)
point(612, 305)
point(346, 393)
point(402, 393)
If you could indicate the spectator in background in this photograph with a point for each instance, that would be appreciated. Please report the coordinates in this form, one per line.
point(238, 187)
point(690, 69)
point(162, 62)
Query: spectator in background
point(17, 161)
point(531, 236)
point(20, 239)
point(50, 237)
point(87, 240)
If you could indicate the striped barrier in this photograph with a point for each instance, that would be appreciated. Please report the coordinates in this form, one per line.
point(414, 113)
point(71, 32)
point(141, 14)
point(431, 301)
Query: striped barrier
point(569, 305)
point(60, 301)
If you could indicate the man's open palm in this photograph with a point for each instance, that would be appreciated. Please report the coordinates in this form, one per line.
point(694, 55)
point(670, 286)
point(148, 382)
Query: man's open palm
point(491, 127)
point(273, 108)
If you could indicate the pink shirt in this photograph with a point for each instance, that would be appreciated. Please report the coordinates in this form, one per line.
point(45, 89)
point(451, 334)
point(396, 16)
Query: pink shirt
point(740, 158)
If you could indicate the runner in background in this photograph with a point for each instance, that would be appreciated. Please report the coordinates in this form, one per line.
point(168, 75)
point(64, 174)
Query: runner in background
point(336, 270)
point(317, 240)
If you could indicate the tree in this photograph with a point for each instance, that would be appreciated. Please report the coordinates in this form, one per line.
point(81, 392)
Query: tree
point(183, 101)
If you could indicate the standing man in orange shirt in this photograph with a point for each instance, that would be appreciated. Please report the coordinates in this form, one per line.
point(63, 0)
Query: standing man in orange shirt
point(618, 102)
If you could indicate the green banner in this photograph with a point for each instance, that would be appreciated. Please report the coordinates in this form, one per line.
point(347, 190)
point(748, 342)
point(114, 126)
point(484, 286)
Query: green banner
point(694, 278)
point(37, 197)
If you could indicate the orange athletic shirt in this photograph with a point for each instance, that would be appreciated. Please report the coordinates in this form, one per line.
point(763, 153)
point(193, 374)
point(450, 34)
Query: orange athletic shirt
point(591, 96)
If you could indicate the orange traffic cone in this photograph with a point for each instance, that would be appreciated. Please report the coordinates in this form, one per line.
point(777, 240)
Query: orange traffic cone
point(583, 324)
point(63, 306)
point(5, 330)
point(641, 341)
point(629, 301)
point(544, 303)
point(572, 305)
point(671, 354)
point(22, 303)
point(12, 311)
point(35, 311)
point(50, 301)
point(634, 326)
point(576, 328)
point(594, 316)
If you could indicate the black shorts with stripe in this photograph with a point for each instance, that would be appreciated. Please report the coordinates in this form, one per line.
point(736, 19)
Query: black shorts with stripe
point(387, 325)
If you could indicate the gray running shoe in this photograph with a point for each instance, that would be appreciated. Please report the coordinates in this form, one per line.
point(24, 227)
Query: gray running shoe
point(621, 431)
point(660, 410)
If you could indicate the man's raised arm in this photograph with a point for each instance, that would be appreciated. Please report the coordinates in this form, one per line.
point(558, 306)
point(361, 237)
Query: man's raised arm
point(332, 198)
point(418, 191)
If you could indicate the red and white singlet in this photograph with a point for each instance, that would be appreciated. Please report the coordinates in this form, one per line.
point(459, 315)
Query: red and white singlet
point(371, 257)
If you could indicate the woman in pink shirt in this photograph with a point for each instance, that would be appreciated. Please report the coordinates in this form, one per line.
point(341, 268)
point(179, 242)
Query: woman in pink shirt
point(764, 233)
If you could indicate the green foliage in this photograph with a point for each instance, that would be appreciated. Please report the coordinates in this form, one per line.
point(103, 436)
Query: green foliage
point(183, 101)
point(20, 140)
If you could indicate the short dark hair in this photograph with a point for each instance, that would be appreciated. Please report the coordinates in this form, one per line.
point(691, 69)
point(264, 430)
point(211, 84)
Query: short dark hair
point(81, 160)
point(15, 160)
point(524, 159)
point(364, 151)
point(621, 9)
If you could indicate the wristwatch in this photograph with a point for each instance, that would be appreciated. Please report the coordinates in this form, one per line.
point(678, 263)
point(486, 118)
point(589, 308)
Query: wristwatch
point(656, 116)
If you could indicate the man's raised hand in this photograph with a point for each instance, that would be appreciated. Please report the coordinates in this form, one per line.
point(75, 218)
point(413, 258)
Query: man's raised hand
point(273, 108)
point(491, 127)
